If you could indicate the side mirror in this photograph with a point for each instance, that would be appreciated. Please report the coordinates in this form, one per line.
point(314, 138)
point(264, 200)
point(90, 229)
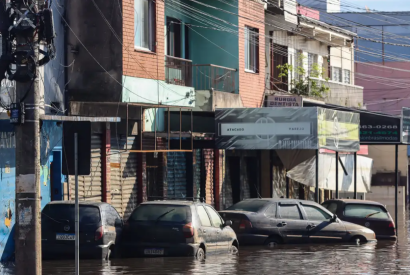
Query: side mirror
point(118, 223)
point(228, 223)
point(334, 218)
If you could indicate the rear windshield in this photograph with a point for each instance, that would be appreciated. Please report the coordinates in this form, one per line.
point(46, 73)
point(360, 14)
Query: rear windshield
point(65, 212)
point(365, 211)
point(251, 206)
point(161, 212)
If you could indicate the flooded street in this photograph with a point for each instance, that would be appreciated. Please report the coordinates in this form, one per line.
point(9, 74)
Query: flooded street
point(383, 257)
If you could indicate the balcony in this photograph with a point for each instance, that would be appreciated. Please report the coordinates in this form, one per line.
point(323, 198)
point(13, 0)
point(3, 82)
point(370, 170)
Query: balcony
point(342, 94)
point(213, 77)
point(178, 71)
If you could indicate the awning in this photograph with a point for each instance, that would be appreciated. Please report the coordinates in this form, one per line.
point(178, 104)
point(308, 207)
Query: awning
point(327, 173)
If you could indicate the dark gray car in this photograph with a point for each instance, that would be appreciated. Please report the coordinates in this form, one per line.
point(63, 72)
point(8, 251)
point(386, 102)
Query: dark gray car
point(177, 228)
point(100, 230)
point(275, 221)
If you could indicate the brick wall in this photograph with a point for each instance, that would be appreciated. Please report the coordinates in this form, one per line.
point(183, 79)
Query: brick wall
point(139, 63)
point(251, 85)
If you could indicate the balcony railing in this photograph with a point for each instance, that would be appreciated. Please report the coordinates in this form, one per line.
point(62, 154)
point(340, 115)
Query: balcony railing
point(178, 71)
point(207, 77)
point(276, 84)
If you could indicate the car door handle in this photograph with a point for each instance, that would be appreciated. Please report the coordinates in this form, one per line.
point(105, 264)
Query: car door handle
point(203, 230)
point(283, 224)
point(310, 226)
point(218, 232)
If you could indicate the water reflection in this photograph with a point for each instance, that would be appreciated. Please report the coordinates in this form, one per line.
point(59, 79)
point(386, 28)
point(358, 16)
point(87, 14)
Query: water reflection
point(383, 257)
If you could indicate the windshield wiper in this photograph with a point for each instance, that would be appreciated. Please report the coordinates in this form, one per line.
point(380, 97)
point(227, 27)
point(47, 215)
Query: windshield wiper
point(162, 215)
point(372, 214)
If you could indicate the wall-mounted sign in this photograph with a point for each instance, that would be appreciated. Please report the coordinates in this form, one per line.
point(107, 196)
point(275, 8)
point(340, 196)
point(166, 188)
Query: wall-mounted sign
point(286, 128)
point(284, 101)
point(405, 120)
point(376, 128)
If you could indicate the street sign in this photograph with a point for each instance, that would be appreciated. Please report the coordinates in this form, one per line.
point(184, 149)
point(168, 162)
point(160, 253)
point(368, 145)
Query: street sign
point(83, 130)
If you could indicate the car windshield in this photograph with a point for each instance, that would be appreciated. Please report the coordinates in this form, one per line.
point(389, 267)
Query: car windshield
point(249, 205)
point(365, 211)
point(161, 212)
point(65, 213)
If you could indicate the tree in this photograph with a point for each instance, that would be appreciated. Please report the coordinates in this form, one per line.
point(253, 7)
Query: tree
point(303, 84)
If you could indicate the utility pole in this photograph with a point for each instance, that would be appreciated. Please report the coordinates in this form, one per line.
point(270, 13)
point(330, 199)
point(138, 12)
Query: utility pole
point(28, 197)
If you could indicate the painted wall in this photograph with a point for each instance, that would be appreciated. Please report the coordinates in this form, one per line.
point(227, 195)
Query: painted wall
point(51, 136)
point(7, 190)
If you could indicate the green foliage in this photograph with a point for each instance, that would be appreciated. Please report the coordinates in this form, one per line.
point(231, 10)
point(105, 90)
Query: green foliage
point(304, 84)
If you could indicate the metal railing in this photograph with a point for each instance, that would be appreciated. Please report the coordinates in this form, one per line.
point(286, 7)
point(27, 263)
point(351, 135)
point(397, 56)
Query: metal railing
point(178, 71)
point(209, 76)
point(276, 84)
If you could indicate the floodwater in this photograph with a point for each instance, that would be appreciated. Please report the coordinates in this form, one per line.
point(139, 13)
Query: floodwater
point(383, 257)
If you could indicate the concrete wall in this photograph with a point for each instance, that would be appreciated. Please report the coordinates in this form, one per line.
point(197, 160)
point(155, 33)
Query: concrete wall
point(385, 195)
point(210, 100)
point(384, 158)
point(251, 85)
point(88, 80)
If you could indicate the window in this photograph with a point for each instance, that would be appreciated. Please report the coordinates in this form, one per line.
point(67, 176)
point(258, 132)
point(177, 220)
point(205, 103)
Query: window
point(111, 215)
point(203, 216)
point(337, 74)
point(163, 213)
point(65, 212)
point(312, 59)
point(290, 212)
point(346, 76)
point(145, 24)
point(174, 45)
point(215, 218)
point(252, 49)
point(365, 211)
point(271, 211)
point(316, 214)
point(249, 205)
point(332, 207)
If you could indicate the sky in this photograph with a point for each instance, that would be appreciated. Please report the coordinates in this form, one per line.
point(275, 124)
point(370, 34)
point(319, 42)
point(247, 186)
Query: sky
point(383, 5)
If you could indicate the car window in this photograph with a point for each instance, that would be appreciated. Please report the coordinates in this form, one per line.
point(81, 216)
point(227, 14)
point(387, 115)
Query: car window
point(161, 213)
point(249, 205)
point(365, 210)
point(316, 214)
point(332, 207)
point(271, 211)
point(111, 215)
point(290, 211)
point(203, 216)
point(65, 212)
point(215, 218)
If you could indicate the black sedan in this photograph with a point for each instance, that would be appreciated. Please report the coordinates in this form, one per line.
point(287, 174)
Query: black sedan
point(370, 214)
point(277, 221)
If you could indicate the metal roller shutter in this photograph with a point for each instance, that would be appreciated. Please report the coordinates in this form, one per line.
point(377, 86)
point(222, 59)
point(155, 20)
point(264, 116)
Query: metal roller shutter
point(176, 174)
point(90, 187)
point(123, 177)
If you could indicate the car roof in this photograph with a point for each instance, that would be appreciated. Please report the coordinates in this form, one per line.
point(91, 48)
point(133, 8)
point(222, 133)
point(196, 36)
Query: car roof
point(354, 201)
point(281, 200)
point(91, 203)
point(174, 202)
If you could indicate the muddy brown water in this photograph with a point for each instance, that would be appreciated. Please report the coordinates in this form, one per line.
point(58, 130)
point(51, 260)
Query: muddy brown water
point(383, 257)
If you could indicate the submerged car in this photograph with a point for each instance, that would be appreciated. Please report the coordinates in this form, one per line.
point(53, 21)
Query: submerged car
point(370, 214)
point(100, 230)
point(279, 221)
point(177, 228)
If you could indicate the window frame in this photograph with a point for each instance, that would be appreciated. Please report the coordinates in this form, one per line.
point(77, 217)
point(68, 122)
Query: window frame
point(206, 212)
point(289, 204)
point(151, 27)
point(347, 72)
point(340, 80)
point(212, 222)
point(249, 34)
point(318, 209)
point(269, 207)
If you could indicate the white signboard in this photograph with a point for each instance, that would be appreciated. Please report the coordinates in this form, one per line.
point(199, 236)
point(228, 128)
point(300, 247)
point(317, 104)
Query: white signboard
point(284, 101)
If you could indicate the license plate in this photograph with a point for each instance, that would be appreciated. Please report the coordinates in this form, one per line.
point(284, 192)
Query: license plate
point(65, 237)
point(154, 251)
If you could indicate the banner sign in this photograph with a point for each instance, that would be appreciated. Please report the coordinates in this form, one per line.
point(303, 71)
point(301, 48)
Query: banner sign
point(379, 129)
point(405, 128)
point(286, 128)
point(284, 101)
